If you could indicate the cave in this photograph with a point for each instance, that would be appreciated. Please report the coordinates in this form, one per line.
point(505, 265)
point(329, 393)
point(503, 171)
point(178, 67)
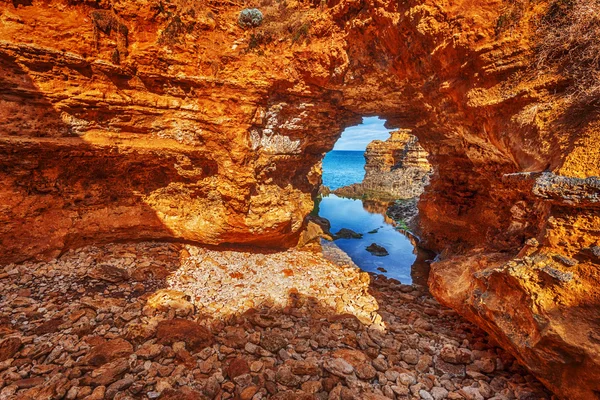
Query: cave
point(215, 137)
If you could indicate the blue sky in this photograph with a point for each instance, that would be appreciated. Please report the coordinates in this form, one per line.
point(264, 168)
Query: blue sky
point(358, 137)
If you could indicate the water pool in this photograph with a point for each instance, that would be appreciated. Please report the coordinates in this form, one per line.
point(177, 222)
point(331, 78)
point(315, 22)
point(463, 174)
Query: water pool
point(369, 219)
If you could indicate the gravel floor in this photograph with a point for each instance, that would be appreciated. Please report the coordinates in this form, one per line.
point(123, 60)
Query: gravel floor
point(157, 320)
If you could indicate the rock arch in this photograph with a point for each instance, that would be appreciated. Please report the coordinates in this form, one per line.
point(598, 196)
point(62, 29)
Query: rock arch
point(237, 127)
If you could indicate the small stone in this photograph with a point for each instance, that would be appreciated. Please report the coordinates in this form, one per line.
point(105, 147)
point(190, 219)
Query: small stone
point(149, 351)
point(256, 366)
point(439, 393)
point(97, 394)
point(109, 273)
point(338, 367)
point(380, 364)
point(410, 356)
point(485, 365)
point(273, 341)
point(406, 379)
point(108, 373)
point(453, 355)
point(346, 233)
point(195, 336)
point(425, 395)
point(443, 367)
point(471, 393)
point(168, 299)
point(237, 366)
point(248, 393)
point(286, 377)
point(108, 351)
point(9, 347)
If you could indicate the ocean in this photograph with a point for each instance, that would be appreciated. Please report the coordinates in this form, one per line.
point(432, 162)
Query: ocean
point(343, 168)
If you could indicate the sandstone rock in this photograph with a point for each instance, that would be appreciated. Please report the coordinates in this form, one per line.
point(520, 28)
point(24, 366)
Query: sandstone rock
point(183, 393)
point(195, 336)
point(108, 351)
point(83, 162)
point(9, 347)
point(109, 273)
point(167, 299)
point(273, 341)
point(286, 377)
point(396, 168)
point(237, 367)
point(107, 373)
point(338, 367)
point(471, 393)
point(454, 355)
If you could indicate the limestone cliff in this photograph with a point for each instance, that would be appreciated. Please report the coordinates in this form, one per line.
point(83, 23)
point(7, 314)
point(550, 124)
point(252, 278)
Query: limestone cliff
point(396, 168)
point(145, 119)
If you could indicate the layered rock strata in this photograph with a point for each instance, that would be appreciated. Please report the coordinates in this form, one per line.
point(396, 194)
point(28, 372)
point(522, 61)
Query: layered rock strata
point(396, 168)
point(168, 120)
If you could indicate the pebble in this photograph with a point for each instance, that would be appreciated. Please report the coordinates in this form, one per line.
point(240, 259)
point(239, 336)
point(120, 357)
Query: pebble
point(159, 320)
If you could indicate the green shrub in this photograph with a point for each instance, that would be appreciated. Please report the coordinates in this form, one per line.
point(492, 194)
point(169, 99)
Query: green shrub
point(250, 18)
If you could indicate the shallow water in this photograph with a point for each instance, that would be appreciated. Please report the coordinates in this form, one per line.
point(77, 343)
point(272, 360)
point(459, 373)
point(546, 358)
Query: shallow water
point(364, 217)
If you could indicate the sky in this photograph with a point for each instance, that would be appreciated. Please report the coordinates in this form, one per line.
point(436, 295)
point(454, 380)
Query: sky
point(359, 136)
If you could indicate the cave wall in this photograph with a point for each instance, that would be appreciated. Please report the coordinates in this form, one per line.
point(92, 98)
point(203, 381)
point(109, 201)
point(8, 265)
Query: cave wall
point(176, 123)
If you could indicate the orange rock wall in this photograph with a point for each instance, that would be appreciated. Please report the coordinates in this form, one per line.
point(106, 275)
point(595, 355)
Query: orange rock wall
point(182, 125)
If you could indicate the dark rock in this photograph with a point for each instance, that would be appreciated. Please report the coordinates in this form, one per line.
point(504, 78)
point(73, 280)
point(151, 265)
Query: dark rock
point(346, 233)
point(377, 250)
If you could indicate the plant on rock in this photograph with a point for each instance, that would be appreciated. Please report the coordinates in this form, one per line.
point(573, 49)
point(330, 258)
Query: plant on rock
point(250, 18)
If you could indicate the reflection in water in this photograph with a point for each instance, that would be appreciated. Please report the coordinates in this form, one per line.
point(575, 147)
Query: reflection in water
point(369, 218)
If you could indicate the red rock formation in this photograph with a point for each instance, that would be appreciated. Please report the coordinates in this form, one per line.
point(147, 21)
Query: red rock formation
point(184, 125)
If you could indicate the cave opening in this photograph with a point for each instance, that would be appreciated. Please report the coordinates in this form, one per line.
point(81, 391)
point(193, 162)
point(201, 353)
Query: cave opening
point(371, 182)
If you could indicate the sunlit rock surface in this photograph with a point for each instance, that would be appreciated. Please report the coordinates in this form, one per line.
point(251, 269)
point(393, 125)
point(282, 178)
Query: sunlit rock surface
point(146, 122)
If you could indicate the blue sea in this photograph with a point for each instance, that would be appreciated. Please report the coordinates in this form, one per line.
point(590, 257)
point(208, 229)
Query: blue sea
point(343, 168)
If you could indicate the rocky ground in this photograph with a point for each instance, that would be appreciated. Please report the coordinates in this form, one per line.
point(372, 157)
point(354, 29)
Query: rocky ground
point(153, 320)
